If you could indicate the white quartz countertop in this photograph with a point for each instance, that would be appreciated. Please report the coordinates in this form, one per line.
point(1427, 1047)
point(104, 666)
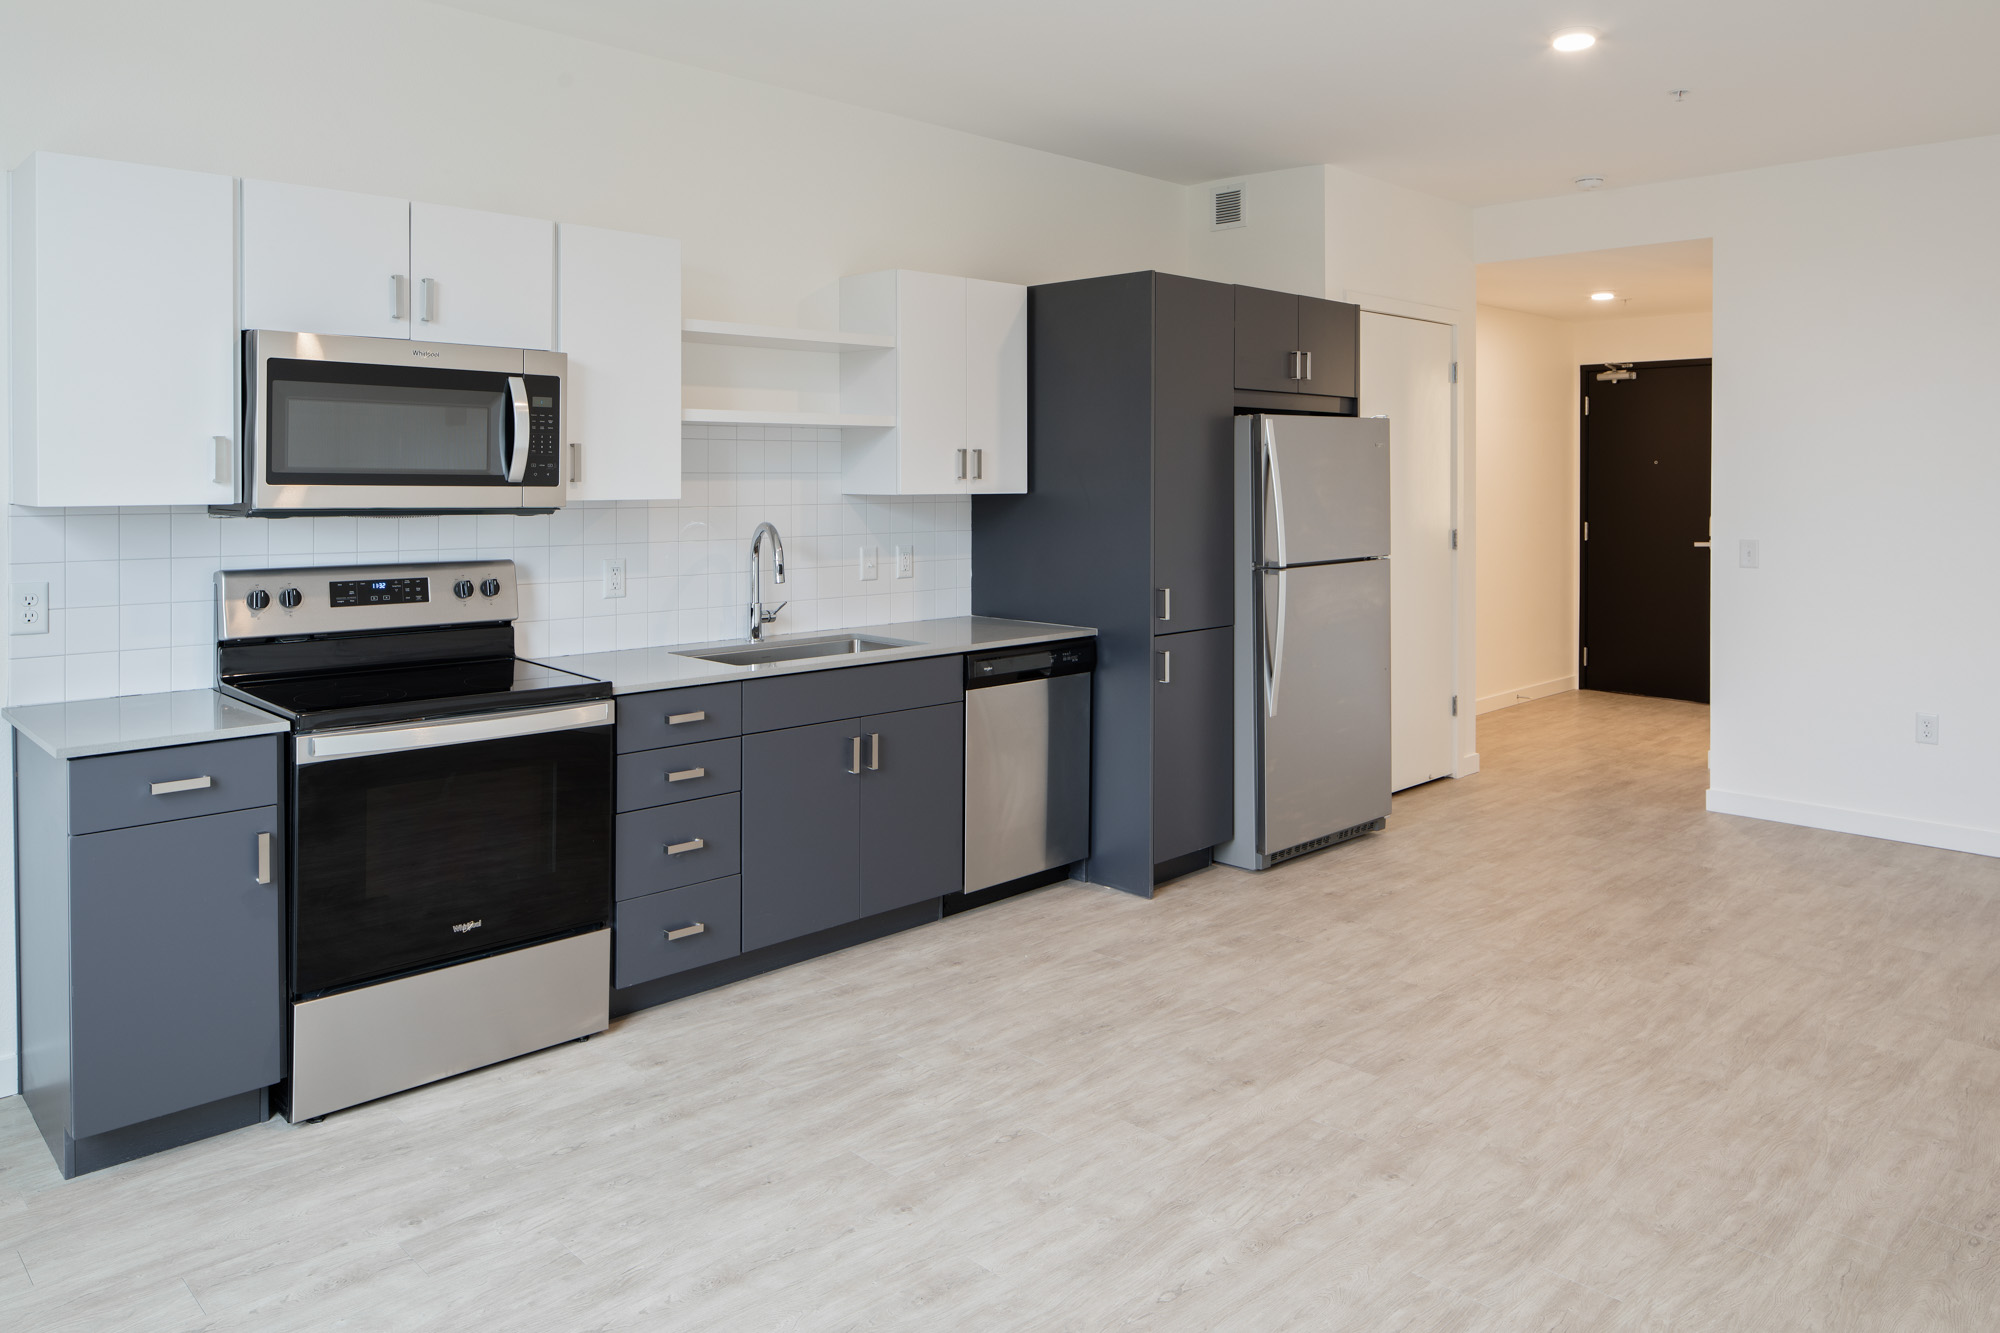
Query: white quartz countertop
point(86, 727)
point(633, 670)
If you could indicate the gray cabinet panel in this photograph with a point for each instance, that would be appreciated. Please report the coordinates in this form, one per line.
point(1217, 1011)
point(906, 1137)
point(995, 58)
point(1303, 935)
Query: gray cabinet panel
point(801, 832)
point(679, 773)
point(647, 861)
point(643, 951)
point(1267, 336)
point(677, 717)
point(1193, 742)
point(1194, 441)
point(845, 692)
point(116, 790)
point(1330, 332)
point(174, 956)
point(912, 806)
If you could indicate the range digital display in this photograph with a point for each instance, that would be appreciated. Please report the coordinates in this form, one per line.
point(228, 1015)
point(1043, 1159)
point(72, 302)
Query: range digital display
point(378, 592)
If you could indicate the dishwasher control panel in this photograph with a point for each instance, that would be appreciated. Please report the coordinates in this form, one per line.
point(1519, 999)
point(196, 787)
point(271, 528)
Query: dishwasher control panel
point(1040, 662)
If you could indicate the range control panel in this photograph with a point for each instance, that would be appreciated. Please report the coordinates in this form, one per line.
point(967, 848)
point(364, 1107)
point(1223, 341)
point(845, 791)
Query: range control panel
point(332, 599)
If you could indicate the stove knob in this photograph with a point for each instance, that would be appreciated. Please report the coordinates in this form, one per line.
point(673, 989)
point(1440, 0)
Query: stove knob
point(491, 587)
point(290, 598)
point(257, 599)
point(462, 588)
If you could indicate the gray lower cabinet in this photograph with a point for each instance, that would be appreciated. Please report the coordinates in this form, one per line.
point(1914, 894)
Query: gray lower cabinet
point(663, 933)
point(677, 844)
point(912, 807)
point(1194, 761)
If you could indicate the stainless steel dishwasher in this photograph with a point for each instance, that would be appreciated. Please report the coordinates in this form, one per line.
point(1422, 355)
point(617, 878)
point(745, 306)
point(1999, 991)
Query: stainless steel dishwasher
point(1027, 763)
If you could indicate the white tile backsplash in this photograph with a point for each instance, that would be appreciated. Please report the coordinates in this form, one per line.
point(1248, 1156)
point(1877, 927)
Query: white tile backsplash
point(132, 592)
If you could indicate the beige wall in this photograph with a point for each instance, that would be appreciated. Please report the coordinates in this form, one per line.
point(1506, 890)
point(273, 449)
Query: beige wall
point(1640, 338)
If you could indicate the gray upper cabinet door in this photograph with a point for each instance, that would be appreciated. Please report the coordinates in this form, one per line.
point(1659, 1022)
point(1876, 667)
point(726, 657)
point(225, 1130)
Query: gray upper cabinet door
point(1267, 340)
point(174, 954)
point(801, 832)
point(912, 806)
point(1193, 741)
point(1330, 335)
point(1194, 432)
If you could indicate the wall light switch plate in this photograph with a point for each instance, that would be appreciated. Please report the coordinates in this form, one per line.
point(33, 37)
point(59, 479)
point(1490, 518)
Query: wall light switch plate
point(614, 577)
point(871, 557)
point(1747, 554)
point(1927, 729)
point(906, 562)
point(29, 609)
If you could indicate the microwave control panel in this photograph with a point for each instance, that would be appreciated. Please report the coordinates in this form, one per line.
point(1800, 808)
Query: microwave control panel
point(544, 432)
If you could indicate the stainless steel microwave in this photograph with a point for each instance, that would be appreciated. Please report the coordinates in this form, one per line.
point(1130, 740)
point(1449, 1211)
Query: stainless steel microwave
point(340, 425)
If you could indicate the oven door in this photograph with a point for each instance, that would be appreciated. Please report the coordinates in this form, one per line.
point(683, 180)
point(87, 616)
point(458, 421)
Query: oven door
point(382, 425)
point(422, 844)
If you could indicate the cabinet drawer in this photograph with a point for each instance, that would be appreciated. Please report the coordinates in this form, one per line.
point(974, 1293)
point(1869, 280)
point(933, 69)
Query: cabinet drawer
point(645, 865)
point(178, 782)
point(856, 691)
point(679, 773)
point(676, 717)
point(706, 918)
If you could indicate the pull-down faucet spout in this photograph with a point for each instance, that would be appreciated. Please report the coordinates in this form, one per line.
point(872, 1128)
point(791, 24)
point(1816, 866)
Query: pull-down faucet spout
point(759, 617)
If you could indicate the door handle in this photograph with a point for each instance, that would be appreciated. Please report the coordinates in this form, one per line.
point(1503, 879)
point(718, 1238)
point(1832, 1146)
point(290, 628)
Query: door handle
point(1309, 365)
point(1166, 604)
point(685, 931)
point(1703, 545)
point(1166, 676)
point(874, 750)
point(682, 719)
point(399, 296)
point(517, 464)
point(691, 845)
point(263, 858)
point(1274, 481)
point(854, 754)
point(430, 300)
point(978, 464)
point(961, 465)
point(1274, 658)
point(687, 775)
point(181, 784)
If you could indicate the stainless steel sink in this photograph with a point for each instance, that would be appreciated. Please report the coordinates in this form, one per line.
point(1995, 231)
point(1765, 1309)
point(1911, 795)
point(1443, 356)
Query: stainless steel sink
point(842, 645)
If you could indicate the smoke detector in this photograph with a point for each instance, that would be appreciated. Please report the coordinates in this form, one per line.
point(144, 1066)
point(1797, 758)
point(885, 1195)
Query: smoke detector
point(1589, 182)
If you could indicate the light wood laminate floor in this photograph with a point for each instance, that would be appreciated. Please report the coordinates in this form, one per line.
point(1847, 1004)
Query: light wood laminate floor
point(1558, 1050)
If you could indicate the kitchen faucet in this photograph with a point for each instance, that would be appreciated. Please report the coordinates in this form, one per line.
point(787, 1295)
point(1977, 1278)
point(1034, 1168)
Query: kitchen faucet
point(759, 617)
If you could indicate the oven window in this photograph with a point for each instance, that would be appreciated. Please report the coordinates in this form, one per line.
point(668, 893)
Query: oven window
point(336, 423)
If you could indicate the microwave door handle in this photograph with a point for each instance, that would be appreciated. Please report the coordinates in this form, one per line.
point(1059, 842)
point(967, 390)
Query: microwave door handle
point(517, 462)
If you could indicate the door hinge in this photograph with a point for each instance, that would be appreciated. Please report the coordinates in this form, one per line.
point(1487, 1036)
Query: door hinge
point(1454, 705)
point(1454, 372)
point(1454, 539)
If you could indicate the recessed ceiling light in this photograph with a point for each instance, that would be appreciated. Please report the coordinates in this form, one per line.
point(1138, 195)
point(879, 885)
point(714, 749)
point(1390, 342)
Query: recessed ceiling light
point(1604, 296)
point(1575, 40)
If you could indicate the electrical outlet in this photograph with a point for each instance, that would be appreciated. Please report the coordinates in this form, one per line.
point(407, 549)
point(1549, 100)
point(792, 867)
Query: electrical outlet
point(906, 562)
point(1747, 554)
point(614, 577)
point(1927, 729)
point(30, 609)
point(871, 557)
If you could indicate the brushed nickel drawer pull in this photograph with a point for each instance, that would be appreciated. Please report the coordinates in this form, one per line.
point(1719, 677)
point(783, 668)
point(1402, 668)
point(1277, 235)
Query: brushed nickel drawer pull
point(182, 784)
point(677, 719)
point(691, 845)
point(686, 774)
point(685, 931)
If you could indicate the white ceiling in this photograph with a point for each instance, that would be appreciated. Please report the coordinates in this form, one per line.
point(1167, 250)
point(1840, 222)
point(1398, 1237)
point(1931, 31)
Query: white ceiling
point(1461, 98)
point(1669, 279)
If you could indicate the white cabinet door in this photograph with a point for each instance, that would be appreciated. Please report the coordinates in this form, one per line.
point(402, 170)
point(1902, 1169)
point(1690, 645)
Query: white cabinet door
point(996, 386)
point(620, 324)
point(930, 383)
point(484, 278)
point(325, 261)
point(124, 347)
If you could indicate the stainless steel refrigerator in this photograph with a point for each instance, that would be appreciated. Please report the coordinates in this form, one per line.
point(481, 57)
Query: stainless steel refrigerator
point(1312, 634)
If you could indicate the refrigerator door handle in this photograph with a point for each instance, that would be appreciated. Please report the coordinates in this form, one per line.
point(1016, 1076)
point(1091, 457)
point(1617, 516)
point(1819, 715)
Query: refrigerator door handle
point(1275, 485)
point(1274, 652)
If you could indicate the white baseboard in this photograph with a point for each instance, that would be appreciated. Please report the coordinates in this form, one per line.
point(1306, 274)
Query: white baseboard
point(10, 1075)
point(1894, 828)
point(1508, 698)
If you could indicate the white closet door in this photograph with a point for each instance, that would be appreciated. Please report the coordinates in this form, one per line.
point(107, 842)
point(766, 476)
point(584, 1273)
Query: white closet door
point(482, 278)
point(621, 326)
point(1406, 376)
point(325, 261)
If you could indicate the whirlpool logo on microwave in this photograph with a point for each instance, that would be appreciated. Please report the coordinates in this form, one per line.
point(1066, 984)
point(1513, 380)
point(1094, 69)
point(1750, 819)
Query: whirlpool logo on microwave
point(422, 351)
point(467, 927)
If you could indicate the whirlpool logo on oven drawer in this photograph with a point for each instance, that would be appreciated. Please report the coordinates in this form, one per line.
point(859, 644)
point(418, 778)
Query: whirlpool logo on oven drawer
point(467, 927)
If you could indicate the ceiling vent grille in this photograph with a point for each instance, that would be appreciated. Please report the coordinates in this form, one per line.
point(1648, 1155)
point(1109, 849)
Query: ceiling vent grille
point(1226, 206)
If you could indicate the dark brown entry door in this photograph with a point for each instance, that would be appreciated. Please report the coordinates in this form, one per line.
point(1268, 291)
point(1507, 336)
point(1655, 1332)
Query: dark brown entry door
point(1645, 515)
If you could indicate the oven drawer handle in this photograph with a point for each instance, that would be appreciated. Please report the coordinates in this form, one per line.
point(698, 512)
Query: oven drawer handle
point(498, 726)
point(687, 775)
point(685, 931)
point(181, 784)
point(691, 845)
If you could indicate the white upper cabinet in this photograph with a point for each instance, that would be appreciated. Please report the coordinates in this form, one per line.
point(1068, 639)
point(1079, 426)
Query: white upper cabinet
point(325, 261)
point(956, 385)
point(484, 278)
point(619, 320)
point(124, 334)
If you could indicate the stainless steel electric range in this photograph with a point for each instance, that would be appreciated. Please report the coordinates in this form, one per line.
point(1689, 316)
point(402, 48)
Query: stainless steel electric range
point(450, 822)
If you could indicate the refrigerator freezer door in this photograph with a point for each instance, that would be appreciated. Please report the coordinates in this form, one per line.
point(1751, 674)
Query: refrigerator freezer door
point(1325, 488)
point(1322, 704)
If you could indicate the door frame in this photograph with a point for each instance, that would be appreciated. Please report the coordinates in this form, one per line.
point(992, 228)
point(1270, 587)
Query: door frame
point(1584, 379)
point(1465, 726)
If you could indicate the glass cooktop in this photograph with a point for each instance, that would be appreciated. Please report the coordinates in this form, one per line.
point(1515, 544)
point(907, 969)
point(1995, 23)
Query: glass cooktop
point(410, 693)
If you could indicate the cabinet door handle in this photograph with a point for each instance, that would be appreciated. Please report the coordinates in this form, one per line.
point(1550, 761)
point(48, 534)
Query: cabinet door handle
point(874, 750)
point(961, 465)
point(691, 845)
point(1166, 676)
point(430, 300)
point(682, 719)
point(263, 858)
point(978, 464)
point(685, 931)
point(1166, 604)
point(687, 775)
point(1309, 365)
point(1295, 365)
point(854, 754)
point(182, 784)
point(399, 296)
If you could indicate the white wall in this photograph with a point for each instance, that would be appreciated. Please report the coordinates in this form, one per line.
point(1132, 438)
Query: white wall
point(1854, 343)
